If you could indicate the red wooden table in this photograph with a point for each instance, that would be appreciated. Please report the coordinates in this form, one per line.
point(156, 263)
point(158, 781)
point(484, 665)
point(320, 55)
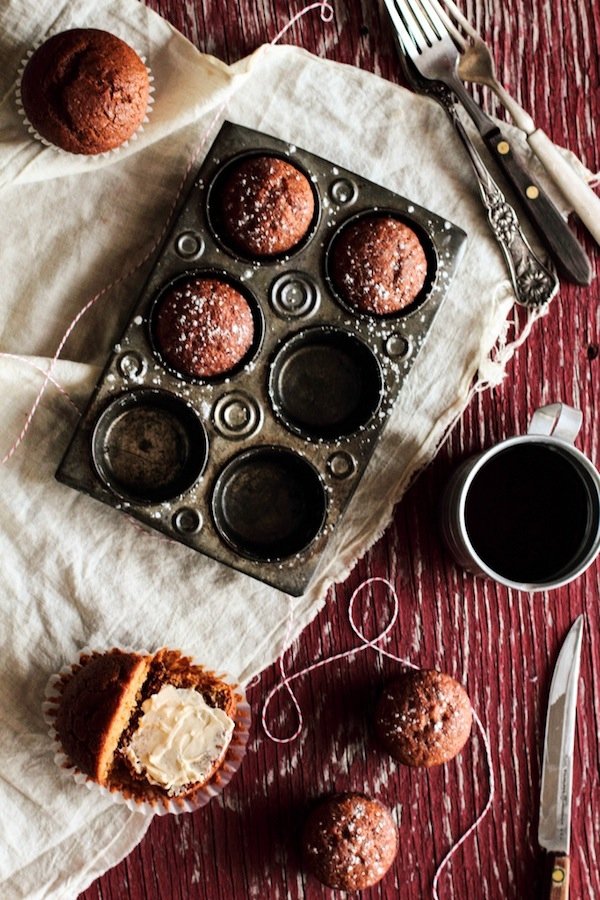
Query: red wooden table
point(501, 644)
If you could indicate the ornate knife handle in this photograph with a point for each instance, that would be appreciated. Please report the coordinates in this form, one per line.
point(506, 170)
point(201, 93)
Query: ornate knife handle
point(533, 282)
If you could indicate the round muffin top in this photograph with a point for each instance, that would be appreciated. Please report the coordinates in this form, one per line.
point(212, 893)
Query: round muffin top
point(378, 265)
point(350, 841)
point(423, 718)
point(93, 710)
point(85, 90)
point(266, 206)
point(203, 327)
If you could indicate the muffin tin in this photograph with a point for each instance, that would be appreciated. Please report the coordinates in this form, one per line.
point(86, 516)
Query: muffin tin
point(255, 469)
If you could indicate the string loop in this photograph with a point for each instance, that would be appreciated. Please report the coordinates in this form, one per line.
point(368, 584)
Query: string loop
point(286, 681)
point(326, 15)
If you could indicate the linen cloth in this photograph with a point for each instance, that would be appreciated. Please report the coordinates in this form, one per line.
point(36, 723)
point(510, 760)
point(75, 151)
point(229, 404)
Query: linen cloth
point(75, 572)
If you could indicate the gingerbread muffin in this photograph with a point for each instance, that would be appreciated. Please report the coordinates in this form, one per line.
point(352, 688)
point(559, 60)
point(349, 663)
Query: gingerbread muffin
point(423, 718)
point(153, 727)
point(85, 91)
point(378, 265)
point(350, 841)
point(266, 206)
point(203, 327)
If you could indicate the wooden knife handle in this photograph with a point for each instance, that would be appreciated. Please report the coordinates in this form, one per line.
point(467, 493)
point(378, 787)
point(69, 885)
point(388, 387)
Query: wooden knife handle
point(554, 232)
point(559, 877)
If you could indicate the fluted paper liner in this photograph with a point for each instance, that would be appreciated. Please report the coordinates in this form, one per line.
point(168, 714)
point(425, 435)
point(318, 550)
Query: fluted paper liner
point(92, 156)
point(162, 805)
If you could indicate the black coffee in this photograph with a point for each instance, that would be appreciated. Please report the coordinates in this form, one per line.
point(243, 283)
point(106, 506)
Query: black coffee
point(530, 513)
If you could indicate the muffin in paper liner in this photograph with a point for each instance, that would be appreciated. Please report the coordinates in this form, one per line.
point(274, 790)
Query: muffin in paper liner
point(145, 797)
point(60, 150)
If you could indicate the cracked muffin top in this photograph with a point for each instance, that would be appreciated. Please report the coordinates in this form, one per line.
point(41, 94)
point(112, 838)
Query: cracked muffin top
point(85, 91)
point(266, 206)
point(378, 265)
point(350, 841)
point(423, 718)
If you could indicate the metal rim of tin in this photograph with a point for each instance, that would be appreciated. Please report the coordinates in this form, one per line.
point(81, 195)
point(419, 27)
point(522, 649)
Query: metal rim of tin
point(237, 415)
point(257, 319)
point(366, 363)
point(294, 295)
point(428, 248)
point(177, 409)
point(189, 244)
point(213, 215)
point(453, 514)
point(311, 489)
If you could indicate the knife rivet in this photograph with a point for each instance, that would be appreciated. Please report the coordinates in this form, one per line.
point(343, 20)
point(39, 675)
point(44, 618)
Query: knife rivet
point(558, 876)
point(503, 148)
point(532, 192)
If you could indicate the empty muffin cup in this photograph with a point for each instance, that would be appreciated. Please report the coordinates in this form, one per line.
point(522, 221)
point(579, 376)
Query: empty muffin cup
point(269, 503)
point(204, 326)
point(381, 264)
point(149, 446)
point(325, 383)
point(262, 206)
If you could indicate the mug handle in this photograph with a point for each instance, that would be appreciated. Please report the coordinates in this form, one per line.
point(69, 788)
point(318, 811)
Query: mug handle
point(556, 419)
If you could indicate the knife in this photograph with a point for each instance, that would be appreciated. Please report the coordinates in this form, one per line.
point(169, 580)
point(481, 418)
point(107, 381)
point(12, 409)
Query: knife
point(553, 230)
point(441, 58)
point(554, 829)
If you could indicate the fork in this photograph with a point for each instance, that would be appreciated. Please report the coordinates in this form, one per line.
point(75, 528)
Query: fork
point(432, 57)
point(477, 65)
point(552, 229)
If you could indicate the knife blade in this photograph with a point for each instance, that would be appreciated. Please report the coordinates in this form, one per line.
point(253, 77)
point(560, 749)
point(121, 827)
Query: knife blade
point(554, 828)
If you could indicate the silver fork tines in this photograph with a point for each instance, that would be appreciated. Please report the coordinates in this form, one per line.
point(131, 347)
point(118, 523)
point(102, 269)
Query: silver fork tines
point(424, 37)
point(428, 45)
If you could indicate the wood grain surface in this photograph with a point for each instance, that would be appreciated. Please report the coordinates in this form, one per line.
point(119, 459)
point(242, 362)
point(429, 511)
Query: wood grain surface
point(501, 644)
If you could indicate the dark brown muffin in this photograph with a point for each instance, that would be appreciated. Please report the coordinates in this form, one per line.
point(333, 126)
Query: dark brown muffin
point(96, 705)
point(423, 718)
point(203, 327)
point(266, 206)
point(350, 841)
point(115, 723)
point(378, 265)
point(85, 90)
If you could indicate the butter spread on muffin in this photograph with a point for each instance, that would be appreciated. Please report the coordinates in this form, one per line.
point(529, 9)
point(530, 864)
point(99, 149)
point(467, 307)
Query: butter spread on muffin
point(423, 718)
point(266, 206)
point(149, 726)
point(378, 265)
point(85, 91)
point(178, 738)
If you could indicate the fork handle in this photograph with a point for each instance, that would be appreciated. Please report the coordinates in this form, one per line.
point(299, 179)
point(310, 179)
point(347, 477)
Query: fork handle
point(579, 194)
point(533, 283)
point(569, 256)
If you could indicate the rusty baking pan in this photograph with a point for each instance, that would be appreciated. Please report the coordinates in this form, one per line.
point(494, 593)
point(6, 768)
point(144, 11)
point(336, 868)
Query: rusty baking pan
point(250, 454)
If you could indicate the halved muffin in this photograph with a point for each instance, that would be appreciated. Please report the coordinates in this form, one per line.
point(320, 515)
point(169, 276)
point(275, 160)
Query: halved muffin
point(153, 727)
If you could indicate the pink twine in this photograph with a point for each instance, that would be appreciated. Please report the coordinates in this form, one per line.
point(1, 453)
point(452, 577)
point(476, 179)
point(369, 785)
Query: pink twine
point(30, 362)
point(286, 681)
point(326, 16)
point(48, 375)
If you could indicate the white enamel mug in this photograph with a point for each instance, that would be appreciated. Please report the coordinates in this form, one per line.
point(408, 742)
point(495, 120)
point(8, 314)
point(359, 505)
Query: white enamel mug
point(526, 512)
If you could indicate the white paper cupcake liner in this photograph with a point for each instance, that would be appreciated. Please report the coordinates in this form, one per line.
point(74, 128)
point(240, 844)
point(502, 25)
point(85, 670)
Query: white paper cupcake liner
point(162, 805)
point(91, 156)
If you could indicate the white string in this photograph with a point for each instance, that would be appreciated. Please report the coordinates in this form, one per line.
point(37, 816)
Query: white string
point(286, 681)
point(326, 16)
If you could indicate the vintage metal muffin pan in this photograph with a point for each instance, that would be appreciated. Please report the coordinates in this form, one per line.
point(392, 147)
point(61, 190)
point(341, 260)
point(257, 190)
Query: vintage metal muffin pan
point(255, 469)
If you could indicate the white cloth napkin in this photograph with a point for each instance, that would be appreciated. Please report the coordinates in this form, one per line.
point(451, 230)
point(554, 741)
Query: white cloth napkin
point(75, 572)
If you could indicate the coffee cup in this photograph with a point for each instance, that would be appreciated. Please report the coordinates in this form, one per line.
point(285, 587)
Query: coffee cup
point(526, 512)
